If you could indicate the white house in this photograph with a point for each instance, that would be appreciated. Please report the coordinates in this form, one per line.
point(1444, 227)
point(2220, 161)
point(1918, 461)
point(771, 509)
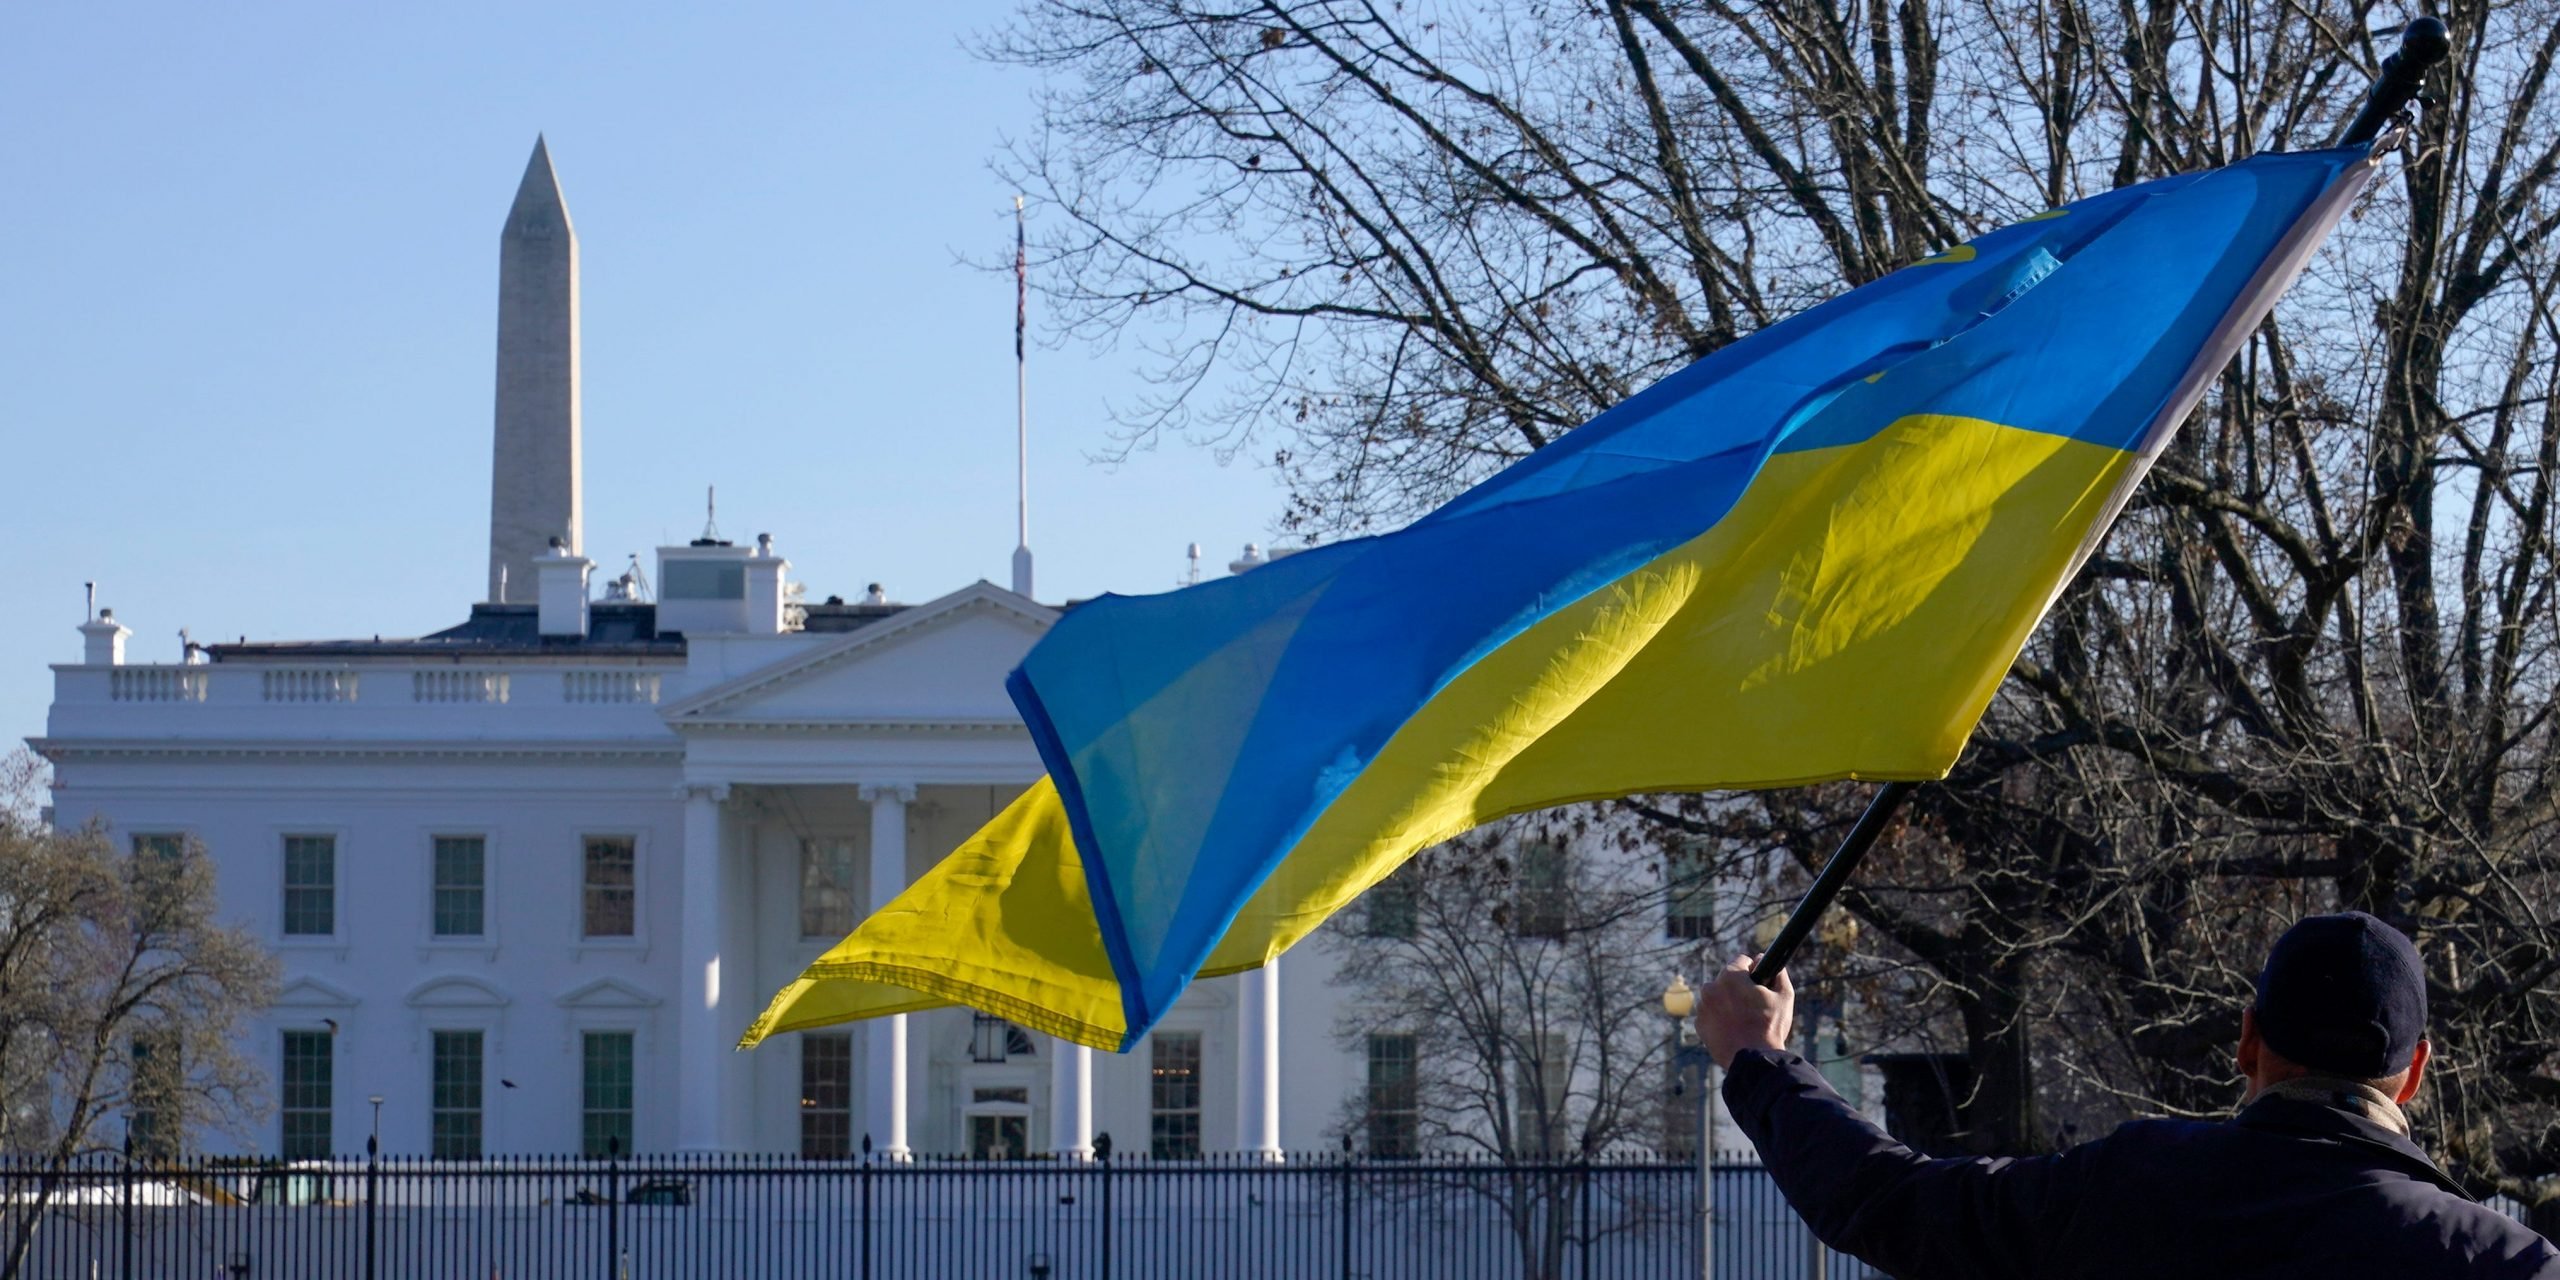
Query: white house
point(531, 875)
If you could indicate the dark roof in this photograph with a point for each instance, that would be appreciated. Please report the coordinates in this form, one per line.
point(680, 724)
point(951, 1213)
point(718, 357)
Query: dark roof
point(615, 629)
point(518, 626)
point(832, 616)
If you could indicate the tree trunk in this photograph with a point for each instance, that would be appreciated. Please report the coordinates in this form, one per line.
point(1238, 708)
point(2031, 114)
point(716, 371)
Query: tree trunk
point(2000, 1118)
point(24, 1237)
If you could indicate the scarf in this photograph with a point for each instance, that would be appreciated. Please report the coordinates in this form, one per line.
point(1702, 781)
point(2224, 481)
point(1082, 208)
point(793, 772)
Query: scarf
point(2350, 1095)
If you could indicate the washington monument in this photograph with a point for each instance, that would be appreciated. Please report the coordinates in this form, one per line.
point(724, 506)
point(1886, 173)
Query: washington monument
point(534, 487)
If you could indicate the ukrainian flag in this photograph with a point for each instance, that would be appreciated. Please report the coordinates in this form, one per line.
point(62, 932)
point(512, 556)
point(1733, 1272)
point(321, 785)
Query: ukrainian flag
point(1809, 556)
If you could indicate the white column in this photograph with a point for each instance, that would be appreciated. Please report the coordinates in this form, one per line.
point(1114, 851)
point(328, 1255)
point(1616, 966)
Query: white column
point(885, 1039)
point(1248, 1034)
point(704, 1061)
point(1258, 1061)
point(1070, 1100)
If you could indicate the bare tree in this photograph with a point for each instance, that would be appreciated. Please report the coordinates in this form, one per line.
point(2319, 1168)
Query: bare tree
point(1529, 975)
point(1513, 980)
point(120, 1004)
point(24, 782)
point(1391, 247)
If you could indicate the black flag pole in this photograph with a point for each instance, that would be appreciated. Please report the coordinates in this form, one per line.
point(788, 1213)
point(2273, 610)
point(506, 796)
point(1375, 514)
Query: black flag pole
point(1834, 878)
point(2423, 44)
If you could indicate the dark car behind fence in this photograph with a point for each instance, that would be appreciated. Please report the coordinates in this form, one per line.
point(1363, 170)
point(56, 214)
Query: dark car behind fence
point(1326, 1217)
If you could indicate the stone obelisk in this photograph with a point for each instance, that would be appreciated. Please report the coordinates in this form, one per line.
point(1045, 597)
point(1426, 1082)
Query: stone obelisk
point(534, 487)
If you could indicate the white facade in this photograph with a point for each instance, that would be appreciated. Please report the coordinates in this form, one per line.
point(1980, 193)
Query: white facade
point(718, 760)
point(720, 742)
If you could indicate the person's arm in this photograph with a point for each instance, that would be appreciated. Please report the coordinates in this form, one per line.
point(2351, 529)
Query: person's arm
point(1860, 1190)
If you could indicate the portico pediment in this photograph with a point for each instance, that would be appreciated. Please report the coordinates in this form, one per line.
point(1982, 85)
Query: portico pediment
point(312, 993)
point(455, 991)
point(607, 993)
point(942, 663)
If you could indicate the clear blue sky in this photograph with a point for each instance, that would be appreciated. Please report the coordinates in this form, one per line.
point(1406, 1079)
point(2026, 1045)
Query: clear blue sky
point(248, 280)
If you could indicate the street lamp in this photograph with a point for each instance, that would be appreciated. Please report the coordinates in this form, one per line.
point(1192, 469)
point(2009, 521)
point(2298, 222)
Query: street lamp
point(1679, 1002)
point(372, 1185)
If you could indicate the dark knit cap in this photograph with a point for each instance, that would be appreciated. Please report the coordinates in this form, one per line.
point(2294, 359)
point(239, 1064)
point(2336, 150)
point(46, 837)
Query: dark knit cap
point(2345, 995)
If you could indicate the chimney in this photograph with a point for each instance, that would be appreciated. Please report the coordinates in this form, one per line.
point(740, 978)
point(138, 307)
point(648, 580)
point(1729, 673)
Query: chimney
point(765, 570)
point(561, 592)
point(102, 640)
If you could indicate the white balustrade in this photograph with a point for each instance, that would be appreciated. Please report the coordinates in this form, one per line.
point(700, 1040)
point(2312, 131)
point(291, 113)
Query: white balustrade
point(218, 685)
point(609, 686)
point(445, 684)
point(306, 684)
point(156, 684)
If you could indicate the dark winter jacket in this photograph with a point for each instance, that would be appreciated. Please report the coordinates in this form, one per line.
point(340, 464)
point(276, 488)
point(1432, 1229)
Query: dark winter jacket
point(2286, 1188)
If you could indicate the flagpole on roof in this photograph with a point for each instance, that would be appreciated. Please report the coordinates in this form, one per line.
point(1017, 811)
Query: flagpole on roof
point(1021, 409)
point(2423, 43)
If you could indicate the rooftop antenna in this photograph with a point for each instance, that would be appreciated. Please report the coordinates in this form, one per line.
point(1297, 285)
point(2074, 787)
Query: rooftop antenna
point(1021, 408)
point(92, 588)
point(711, 513)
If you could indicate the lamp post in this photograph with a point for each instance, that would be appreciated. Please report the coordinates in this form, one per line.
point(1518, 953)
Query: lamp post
point(129, 1272)
point(372, 1183)
point(1679, 1002)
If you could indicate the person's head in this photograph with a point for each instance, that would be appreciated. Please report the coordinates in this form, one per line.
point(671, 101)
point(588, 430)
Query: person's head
point(2343, 996)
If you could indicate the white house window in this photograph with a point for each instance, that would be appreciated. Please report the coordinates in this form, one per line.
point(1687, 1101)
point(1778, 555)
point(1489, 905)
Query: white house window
point(703, 580)
point(159, 1074)
point(826, 1096)
point(454, 1121)
point(1395, 1098)
point(164, 846)
point(992, 1039)
point(303, 1094)
point(157, 859)
point(1395, 907)
point(310, 886)
point(1538, 1076)
point(1541, 895)
point(605, 1093)
point(607, 909)
point(461, 886)
point(826, 888)
point(1689, 913)
point(1173, 1131)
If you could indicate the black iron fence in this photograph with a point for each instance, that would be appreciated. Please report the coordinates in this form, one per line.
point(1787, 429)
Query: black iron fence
point(1323, 1217)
